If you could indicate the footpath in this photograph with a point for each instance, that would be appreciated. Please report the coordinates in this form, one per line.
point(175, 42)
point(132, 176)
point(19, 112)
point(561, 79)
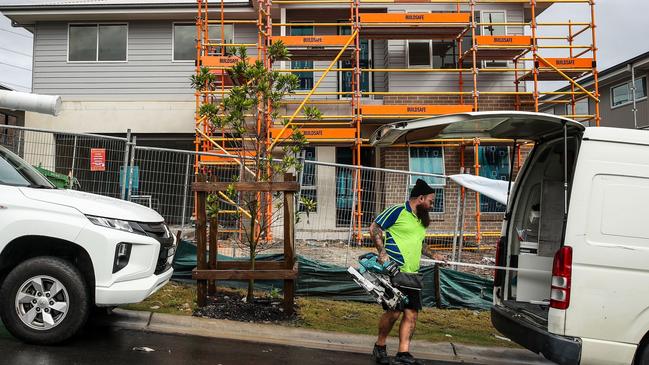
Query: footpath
point(290, 336)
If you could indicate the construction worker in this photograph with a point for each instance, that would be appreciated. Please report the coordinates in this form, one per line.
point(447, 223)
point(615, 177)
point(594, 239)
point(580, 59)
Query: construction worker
point(404, 227)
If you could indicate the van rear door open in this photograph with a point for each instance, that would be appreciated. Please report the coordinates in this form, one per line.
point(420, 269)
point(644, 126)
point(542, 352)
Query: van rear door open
point(506, 125)
point(530, 242)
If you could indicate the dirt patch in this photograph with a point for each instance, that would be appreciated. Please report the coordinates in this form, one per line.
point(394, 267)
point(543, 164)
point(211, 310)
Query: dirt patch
point(233, 306)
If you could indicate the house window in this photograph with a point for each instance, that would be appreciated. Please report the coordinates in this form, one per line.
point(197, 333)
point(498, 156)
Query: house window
point(184, 39)
point(365, 61)
point(309, 178)
point(581, 107)
point(621, 94)
point(494, 164)
point(344, 186)
point(444, 54)
point(489, 28)
point(429, 160)
point(419, 54)
point(97, 42)
point(306, 77)
point(491, 17)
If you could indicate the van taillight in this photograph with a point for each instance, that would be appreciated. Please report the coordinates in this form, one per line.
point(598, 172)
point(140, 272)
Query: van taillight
point(561, 277)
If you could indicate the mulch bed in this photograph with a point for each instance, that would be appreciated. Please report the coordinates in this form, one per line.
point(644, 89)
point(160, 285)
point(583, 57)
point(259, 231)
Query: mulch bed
point(233, 306)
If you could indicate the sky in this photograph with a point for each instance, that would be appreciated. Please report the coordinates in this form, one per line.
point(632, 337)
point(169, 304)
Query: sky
point(15, 56)
point(621, 34)
point(621, 31)
point(621, 27)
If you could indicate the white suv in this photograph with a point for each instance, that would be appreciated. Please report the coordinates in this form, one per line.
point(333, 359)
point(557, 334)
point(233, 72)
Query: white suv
point(63, 251)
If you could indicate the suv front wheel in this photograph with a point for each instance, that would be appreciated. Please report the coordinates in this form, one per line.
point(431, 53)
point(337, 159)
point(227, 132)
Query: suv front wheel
point(44, 300)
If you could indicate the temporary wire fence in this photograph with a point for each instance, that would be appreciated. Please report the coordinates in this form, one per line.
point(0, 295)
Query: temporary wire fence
point(86, 162)
point(334, 230)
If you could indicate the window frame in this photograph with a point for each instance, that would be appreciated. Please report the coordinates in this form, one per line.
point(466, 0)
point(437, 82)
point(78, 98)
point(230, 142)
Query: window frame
point(509, 165)
point(97, 24)
point(370, 60)
point(568, 110)
point(627, 83)
point(482, 12)
point(432, 58)
point(430, 53)
point(440, 187)
point(313, 187)
point(485, 63)
point(173, 37)
point(290, 63)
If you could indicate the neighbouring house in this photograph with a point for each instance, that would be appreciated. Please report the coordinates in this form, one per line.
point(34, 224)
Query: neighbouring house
point(623, 103)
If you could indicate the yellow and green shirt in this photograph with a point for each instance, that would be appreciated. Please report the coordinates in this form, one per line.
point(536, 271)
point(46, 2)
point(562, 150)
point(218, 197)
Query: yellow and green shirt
point(404, 236)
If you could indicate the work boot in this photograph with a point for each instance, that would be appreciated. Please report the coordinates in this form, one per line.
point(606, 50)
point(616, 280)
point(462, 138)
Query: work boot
point(380, 355)
point(405, 358)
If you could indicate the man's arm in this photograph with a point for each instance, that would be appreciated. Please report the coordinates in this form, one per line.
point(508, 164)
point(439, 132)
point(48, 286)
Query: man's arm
point(376, 234)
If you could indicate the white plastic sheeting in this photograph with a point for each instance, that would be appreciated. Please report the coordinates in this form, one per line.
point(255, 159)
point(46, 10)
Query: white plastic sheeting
point(15, 100)
point(495, 189)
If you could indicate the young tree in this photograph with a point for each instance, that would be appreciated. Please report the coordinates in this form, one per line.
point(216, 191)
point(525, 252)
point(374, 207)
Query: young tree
point(245, 114)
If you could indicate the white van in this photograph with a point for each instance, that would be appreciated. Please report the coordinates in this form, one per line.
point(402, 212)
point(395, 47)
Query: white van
point(575, 235)
point(63, 251)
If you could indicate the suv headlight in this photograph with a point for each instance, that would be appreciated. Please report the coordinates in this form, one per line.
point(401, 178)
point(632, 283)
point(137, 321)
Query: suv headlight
point(118, 224)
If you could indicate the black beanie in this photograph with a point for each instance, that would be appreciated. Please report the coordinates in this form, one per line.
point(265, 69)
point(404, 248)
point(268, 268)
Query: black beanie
point(421, 188)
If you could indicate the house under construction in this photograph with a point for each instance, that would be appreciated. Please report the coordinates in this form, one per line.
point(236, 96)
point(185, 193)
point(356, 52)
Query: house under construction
point(365, 63)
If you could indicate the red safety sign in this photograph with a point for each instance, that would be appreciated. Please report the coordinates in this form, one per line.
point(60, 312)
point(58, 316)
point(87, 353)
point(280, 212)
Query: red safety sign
point(97, 159)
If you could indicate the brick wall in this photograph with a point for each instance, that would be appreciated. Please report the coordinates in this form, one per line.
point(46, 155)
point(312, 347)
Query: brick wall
point(485, 102)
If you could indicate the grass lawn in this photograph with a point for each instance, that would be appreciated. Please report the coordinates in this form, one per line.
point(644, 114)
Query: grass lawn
point(435, 325)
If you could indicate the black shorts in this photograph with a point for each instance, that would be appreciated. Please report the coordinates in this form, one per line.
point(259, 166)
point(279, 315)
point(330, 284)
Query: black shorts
point(414, 299)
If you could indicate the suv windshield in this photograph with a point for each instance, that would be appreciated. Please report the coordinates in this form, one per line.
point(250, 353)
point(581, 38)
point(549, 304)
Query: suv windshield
point(15, 171)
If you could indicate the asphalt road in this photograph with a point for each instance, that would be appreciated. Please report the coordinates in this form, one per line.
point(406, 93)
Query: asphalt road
point(103, 345)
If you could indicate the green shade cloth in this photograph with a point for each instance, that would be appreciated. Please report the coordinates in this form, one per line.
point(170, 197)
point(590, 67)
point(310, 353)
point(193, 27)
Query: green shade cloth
point(457, 290)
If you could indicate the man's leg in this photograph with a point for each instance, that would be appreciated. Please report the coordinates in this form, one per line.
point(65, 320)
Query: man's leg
point(385, 325)
point(407, 329)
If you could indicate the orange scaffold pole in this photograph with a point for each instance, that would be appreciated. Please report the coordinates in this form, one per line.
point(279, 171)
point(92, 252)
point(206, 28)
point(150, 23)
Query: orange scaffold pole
point(476, 166)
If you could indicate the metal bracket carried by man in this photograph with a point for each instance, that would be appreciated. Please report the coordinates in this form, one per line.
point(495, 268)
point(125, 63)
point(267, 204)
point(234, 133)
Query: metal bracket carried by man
point(398, 234)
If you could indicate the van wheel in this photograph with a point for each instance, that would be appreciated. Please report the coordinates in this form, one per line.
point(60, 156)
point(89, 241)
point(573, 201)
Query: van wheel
point(44, 301)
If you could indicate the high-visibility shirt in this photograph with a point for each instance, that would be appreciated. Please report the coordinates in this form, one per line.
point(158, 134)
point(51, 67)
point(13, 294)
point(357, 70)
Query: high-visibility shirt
point(404, 236)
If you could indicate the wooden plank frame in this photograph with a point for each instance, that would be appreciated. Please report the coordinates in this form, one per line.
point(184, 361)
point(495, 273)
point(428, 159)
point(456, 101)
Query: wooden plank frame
point(240, 274)
point(209, 269)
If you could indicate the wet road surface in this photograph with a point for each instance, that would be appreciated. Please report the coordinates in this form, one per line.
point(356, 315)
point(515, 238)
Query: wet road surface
point(103, 345)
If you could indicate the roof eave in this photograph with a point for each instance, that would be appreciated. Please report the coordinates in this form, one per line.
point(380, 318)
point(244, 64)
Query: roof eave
point(28, 15)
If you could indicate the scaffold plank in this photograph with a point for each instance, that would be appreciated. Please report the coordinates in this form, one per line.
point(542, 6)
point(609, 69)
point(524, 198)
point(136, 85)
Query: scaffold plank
point(313, 40)
point(315, 134)
point(571, 67)
point(222, 61)
point(503, 40)
point(425, 19)
point(236, 155)
point(413, 25)
point(415, 110)
point(568, 63)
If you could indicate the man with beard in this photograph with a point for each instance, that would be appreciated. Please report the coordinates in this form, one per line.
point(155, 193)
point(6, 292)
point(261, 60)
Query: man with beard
point(405, 229)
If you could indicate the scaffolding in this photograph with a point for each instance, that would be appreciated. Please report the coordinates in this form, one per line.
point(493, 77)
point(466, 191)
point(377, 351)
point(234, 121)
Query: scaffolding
point(480, 47)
